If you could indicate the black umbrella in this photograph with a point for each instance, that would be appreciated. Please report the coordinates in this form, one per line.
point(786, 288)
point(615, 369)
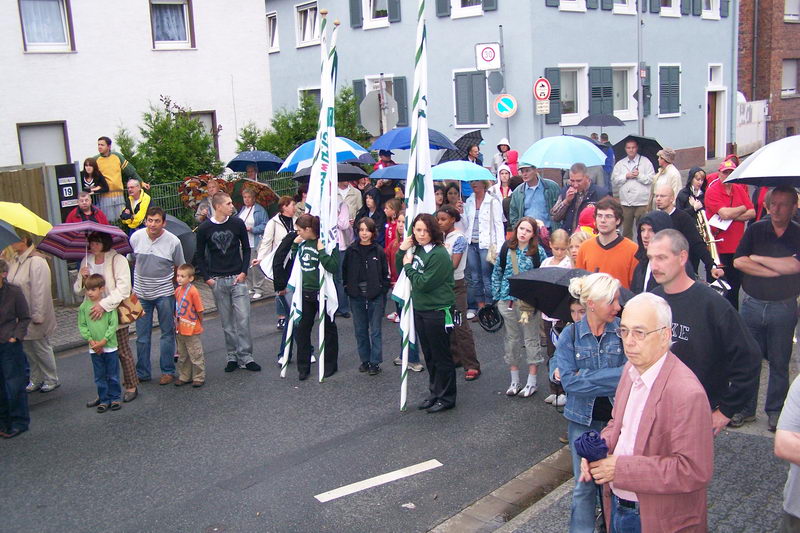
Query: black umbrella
point(598, 144)
point(648, 147)
point(462, 143)
point(547, 289)
point(346, 173)
point(601, 121)
point(184, 233)
point(265, 161)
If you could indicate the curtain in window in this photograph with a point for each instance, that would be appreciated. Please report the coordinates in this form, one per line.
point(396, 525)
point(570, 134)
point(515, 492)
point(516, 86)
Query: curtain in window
point(308, 24)
point(169, 23)
point(470, 3)
point(43, 21)
point(380, 8)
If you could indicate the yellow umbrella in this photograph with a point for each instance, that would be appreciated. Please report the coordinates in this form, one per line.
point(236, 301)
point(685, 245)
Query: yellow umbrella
point(23, 218)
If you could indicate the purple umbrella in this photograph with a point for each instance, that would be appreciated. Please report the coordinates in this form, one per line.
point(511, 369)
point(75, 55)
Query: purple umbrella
point(70, 241)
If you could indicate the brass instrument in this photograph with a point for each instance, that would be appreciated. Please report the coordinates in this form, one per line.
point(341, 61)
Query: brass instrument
point(705, 231)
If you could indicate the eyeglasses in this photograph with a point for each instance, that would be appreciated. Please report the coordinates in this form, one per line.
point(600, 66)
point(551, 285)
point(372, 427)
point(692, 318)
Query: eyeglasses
point(638, 334)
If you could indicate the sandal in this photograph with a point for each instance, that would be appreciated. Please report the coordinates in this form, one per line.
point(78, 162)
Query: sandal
point(102, 408)
point(116, 406)
point(472, 374)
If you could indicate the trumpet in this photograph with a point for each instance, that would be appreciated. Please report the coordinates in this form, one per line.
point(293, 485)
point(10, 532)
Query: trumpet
point(705, 232)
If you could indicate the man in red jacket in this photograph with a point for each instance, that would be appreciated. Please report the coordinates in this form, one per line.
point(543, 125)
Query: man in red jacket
point(86, 211)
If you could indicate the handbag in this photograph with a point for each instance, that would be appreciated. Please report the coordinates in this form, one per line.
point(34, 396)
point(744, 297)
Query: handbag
point(130, 308)
point(491, 255)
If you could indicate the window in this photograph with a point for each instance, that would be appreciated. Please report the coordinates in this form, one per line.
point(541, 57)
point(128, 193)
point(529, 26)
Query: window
point(710, 9)
point(316, 94)
point(670, 8)
point(715, 76)
point(669, 91)
point(394, 86)
point(624, 7)
point(209, 121)
point(46, 25)
point(43, 142)
point(466, 8)
point(272, 33)
point(789, 77)
point(569, 91)
point(791, 11)
point(307, 24)
point(470, 99)
point(572, 5)
point(171, 22)
point(376, 14)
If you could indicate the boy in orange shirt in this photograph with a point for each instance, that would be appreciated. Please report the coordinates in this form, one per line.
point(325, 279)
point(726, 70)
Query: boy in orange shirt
point(189, 325)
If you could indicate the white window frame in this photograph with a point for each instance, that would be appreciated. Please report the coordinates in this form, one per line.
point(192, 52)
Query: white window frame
point(301, 90)
point(716, 80)
point(35, 47)
point(711, 14)
point(576, 6)
point(582, 93)
point(297, 30)
point(187, 21)
point(658, 90)
point(370, 23)
point(629, 113)
point(628, 8)
point(458, 12)
point(791, 17)
point(375, 79)
point(796, 92)
point(456, 125)
point(273, 40)
point(674, 11)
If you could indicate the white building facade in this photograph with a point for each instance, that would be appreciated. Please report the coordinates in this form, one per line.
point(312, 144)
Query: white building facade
point(75, 70)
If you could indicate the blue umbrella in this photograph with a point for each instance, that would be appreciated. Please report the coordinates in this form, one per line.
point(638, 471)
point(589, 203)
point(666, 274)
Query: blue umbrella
point(263, 159)
point(394, 172)
point(7, 234)
point(346, 151)
point(400, 139)
point(461, 171)
point(562, 152)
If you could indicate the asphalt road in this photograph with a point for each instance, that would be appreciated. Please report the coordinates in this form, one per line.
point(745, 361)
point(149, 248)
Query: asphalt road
point(249, 451)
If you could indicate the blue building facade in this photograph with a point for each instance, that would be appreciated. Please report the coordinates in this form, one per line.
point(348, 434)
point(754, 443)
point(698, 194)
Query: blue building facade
point(588, 49)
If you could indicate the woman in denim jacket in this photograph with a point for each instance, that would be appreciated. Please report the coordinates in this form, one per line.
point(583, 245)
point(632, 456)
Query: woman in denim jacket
point(589, 360)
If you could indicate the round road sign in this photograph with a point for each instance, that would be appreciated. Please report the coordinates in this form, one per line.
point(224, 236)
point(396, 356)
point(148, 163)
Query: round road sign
point(541, 89)
point(505, 105)
point(487, 54)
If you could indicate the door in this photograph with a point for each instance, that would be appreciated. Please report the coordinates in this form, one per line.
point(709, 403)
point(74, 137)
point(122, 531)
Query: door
point(711, 125)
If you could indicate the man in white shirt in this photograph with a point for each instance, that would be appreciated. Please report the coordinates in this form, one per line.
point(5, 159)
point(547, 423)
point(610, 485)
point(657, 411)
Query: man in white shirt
point(632, 177)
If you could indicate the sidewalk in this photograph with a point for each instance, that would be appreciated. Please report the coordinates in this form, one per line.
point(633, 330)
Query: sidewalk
point(67, 337)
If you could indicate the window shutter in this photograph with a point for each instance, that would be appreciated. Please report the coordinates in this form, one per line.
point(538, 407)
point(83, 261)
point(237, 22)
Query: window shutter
point(394, 10)
point(601, 91)
point(490, 5)
point(401, 96)
point(724, 7)
point(470, 98)
point(356, 20)
point(463, 104)
point(359, 91)
point(607, 5)
point(442, 8)
point(686, 7)
point(647, 93)
point(655, 6)
point(551, 3)
point(669, 90)
point(479, 107)
point(591, 4)
point(697, 7)
point(553, 75)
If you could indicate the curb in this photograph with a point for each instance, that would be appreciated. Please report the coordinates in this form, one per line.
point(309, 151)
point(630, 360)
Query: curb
point(498, 507)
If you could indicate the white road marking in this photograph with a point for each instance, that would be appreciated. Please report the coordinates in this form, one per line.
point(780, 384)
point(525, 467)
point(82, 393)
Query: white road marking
point(377, 480)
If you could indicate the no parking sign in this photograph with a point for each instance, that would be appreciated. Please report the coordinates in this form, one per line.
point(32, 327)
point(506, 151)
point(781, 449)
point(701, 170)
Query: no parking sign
point(505, 105)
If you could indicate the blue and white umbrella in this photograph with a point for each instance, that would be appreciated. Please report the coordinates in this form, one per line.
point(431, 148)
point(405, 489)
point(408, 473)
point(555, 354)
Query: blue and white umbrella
point(346, 151)
point(562, 152)
point(400, 139)
point(461, 171)
point(394, 172)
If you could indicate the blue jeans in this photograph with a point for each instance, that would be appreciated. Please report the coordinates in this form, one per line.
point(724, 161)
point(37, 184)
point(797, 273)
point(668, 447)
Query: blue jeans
point(772, 325)
point(233, 304)
point(282, 304)
point(479, 277)
point(367, 322)
point(165, 307)
point(13, 380)
point(106, 376)
point(586, 495)
point(341, 295)
point(624, 519)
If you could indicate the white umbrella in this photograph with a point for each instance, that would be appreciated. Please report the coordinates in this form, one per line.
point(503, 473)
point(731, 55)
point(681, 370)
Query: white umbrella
point(774, 164)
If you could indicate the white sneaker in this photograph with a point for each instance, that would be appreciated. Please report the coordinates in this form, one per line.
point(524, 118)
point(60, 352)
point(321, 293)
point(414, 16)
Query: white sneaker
point(550, 399)
point(471, 314)
point(527, 391)
point(49, 388)
point(396, 318)
point(398, 361)
point(255, 296)
point(393, 317)
point(313, 359)
point(416, 367)
point(513, 389)
point(33, 387)
point(561, 401)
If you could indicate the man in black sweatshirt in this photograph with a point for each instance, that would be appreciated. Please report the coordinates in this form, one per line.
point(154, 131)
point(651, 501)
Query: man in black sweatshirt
point(708, 334)
point(222, 257)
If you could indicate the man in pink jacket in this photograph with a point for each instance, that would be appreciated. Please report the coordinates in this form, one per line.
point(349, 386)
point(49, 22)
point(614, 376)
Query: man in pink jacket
point(660, 438)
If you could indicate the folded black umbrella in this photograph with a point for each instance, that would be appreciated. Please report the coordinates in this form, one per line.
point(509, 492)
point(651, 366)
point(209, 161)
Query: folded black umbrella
point(547, 289)
point(184, 233)
point(601, 121)
point(648, 147)
point(346, 173)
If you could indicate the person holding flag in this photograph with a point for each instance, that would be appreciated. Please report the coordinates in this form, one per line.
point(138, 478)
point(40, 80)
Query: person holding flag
point(427, 265)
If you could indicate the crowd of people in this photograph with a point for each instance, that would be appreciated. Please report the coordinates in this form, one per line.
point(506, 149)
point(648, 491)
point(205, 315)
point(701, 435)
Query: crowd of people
point(681, 363)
